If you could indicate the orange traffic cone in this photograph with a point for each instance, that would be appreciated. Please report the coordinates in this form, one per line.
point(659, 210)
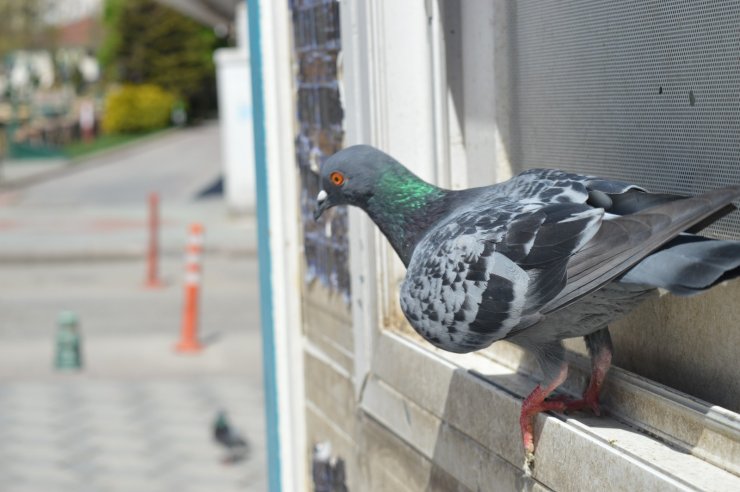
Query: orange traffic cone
point(189, 337)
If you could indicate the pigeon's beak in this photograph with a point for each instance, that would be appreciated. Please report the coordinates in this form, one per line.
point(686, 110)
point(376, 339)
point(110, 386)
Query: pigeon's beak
point(322, 203)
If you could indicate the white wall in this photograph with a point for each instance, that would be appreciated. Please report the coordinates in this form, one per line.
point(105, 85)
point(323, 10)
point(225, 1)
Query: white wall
point(235, 114)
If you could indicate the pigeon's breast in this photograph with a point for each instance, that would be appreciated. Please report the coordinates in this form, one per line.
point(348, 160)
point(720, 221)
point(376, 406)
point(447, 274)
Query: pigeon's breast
point(460, 294)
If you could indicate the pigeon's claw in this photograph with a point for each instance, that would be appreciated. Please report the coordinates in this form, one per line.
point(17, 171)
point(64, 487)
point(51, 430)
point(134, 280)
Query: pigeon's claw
point(590, 400)
point(534, 404)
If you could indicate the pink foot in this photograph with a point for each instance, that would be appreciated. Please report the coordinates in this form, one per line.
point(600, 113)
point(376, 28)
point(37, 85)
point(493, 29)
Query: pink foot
point(599, 367)
point(534, 404)
point(590, 400)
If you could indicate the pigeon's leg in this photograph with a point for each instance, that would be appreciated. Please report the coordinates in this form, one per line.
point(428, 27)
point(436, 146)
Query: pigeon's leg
point(600, 349)
point(551, 358)
point(536, 403)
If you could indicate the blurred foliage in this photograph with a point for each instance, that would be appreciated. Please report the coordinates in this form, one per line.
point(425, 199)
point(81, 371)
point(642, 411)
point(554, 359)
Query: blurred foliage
point(110, 46)
point(137, 108)
point(147, 42)
point(21, 26)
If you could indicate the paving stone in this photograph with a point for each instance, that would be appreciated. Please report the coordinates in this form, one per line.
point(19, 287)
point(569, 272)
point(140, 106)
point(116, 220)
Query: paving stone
point(42, 474)
point(118, 483)
point(119, 437)
point(34, 453)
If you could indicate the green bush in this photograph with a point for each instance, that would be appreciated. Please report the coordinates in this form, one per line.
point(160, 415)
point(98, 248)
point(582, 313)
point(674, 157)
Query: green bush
point(137, 108)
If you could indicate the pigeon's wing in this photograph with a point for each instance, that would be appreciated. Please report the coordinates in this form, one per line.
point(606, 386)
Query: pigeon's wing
point(615, 197)
point(545, 186)
point(622, 242)
point(490, 269)
point(555, 186)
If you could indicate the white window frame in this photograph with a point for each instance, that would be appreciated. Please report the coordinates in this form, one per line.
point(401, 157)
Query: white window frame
point(408, 386)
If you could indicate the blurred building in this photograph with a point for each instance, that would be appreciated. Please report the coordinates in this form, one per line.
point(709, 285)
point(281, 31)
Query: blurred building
point(44, 79)
point(84, 33)
point(217, 13)
point(235, 117)
point(77, 42)
point(234, 95)
point(69, 12)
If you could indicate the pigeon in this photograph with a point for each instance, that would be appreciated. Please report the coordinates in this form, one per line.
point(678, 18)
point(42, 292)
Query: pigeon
point(228, 437)
point(545, 256)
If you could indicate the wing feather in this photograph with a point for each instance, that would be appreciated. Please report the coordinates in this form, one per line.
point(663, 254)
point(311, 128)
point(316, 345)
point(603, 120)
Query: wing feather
point(623, 241)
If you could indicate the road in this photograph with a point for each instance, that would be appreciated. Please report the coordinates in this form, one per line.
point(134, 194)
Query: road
point(138, 416)
point(178, 166)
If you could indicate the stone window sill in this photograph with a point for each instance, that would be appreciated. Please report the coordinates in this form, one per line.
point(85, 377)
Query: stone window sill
point(461, 413)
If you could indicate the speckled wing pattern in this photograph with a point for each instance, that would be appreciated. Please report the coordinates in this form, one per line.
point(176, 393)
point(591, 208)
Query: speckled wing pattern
point(490, 265)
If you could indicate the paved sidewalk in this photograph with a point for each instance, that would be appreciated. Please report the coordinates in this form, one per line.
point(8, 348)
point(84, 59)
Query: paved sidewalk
point(16, 172)
point(109, 435)
point(138, 416)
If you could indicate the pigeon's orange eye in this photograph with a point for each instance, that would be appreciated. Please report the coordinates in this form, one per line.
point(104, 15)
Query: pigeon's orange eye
point(337, 178)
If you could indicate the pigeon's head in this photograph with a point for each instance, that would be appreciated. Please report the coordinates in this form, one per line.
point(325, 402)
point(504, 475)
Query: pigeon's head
point(350, 177)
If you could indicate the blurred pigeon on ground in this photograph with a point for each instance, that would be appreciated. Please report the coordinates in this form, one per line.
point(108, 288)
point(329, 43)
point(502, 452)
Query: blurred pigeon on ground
point(224, 433)
point(545, 256)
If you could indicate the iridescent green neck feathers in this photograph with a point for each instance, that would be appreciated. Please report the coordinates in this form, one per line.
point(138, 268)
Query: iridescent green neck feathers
point(402, 205)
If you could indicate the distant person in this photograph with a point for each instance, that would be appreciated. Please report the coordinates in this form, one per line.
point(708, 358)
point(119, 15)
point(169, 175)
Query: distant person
point(87, 120)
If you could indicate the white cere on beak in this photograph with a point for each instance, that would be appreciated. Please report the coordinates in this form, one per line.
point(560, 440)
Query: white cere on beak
point(322, 196)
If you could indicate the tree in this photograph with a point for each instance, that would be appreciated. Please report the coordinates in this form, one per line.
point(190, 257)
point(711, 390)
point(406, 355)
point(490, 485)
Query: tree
point(110, 46)
point(147, 42)
point(22, 26)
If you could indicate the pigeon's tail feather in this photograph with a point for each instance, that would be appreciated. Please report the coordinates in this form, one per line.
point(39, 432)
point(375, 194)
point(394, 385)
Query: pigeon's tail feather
point(688, 265)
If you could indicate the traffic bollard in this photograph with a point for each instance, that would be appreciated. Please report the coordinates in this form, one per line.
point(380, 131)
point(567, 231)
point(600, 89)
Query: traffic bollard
point(152, 278)
point(68, 342)
point(189, 341)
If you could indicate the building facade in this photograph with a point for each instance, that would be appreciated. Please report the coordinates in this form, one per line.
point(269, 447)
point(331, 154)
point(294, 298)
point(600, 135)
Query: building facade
point(469, 93)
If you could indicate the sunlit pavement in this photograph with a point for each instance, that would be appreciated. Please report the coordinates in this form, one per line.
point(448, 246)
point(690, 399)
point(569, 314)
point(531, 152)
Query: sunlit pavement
point(114, 434)
point(138, 415)
point(93, 232)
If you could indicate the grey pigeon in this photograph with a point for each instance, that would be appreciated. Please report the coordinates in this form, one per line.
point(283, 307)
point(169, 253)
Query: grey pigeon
point(545, 256)
point(228, 437)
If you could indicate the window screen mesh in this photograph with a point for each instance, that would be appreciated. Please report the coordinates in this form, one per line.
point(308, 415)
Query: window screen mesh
point(645, 91)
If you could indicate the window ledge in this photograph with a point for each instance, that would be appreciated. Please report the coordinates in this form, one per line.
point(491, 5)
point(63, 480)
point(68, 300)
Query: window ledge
point(461, 413)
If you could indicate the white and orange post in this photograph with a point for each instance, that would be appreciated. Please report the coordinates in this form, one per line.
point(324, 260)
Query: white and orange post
point(189, 341)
